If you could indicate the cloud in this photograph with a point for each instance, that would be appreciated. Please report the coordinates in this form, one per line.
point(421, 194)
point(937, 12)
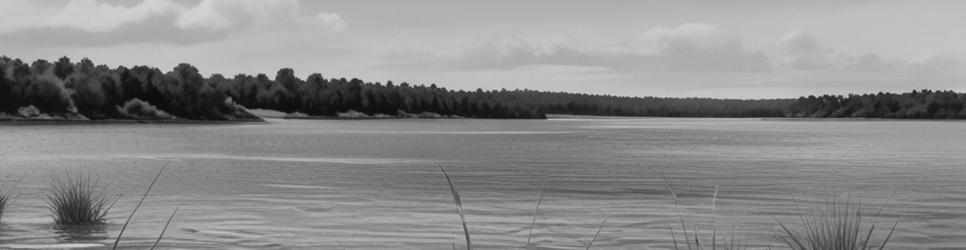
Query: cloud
point(331, 21)
point(695, 35)
point(511, 53)
point(698, 47)
point(800, 51)
point(91, 16)
point(688, 48)
point(96, 23)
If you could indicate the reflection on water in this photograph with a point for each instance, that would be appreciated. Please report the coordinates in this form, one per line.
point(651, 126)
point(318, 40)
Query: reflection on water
point(375, 184)
point(80, 233)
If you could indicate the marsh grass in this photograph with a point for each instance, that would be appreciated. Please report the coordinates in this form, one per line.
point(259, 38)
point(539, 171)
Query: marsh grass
point(459, 207)
point(77, 201)
point(836, 225)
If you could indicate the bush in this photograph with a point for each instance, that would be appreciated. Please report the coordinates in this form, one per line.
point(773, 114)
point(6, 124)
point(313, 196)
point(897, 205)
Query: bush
point(138, 109)
point(29, 111)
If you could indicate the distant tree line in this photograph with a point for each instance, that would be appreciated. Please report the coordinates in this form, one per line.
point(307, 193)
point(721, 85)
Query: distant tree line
point(922, 104)
point(84, 90)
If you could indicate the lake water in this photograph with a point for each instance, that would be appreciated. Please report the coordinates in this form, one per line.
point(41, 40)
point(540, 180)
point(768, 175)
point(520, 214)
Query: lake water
point(376, 184)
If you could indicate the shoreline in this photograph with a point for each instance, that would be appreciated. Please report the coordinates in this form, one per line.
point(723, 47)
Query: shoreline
point(122, 121)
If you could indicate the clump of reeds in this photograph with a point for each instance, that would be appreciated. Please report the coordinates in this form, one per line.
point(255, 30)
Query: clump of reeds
point(77, 201)
point(459, 207)
point(837, 225)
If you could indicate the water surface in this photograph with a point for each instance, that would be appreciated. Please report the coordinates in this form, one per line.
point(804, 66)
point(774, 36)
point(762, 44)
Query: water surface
point(375, 184)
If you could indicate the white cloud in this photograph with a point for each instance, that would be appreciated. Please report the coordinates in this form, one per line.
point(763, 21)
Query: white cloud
point(99, 23)
point(696, 35)
point(92, 16)
point(222, 15)
point(331, 21)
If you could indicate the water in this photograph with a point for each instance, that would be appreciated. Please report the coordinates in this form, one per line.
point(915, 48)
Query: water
point(375, 184)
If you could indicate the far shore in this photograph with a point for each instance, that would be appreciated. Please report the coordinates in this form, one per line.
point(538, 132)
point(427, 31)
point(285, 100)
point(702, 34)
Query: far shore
point(9, 121)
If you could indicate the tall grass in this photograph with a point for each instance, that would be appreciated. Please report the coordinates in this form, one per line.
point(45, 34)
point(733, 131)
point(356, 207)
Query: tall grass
point(459, 207)
point(77, 201)
point(837, 225)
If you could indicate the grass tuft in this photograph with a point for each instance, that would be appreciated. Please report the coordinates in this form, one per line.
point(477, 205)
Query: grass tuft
point(837, 225)
point(77, 201)
point(459, 207)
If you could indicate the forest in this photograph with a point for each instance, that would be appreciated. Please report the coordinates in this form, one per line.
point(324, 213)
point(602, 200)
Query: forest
point(80, 91)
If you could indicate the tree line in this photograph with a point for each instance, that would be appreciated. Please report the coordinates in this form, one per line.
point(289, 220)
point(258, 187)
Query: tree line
point(918, 104)
point(83, 90)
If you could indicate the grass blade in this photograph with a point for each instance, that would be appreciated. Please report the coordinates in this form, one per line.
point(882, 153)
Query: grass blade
point(537, 209)
point(591, 243)
point(118, 240)
point(459, 207)
point(165, 229)
point(670, 189)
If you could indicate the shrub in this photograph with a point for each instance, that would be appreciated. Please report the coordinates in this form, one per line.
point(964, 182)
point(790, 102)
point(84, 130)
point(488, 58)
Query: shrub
point(138, 109)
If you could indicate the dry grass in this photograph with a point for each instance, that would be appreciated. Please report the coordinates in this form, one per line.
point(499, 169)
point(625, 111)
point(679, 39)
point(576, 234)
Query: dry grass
point(77, 201)
point(836, 225)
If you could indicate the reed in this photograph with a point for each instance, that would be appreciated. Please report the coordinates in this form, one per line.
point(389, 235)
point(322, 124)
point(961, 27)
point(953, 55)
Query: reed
point(591, 243)
point(77, 201)
point(543, 190)
point(145, 196)
point(166, 224)
point(836, 225)
point(459, 207)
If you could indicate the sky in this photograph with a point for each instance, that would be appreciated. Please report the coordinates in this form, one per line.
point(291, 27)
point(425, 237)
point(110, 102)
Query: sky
point(722, 49)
